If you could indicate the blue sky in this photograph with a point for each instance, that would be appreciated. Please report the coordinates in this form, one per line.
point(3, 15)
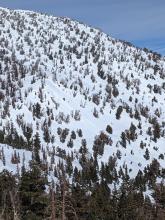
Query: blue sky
point(141, 22)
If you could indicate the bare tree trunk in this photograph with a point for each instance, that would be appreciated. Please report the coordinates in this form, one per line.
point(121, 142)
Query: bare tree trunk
point(4, 207)
point(63, 203)
point(63, 188)
point(13, 201)
point(53, 204)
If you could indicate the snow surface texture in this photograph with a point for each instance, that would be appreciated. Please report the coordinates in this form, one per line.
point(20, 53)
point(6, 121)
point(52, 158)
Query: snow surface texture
point(79, 76)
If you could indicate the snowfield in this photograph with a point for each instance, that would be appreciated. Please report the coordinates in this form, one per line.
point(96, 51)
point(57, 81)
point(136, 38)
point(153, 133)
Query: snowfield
point(59, 75)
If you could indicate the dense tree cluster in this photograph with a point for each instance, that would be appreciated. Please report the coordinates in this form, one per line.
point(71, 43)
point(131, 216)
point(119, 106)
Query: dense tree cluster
point(90, 193)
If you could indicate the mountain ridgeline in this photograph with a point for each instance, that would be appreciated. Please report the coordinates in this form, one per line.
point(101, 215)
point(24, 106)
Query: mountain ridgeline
point(82, 126)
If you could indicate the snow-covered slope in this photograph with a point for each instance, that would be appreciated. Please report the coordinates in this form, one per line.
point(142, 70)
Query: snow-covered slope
point(68, 82)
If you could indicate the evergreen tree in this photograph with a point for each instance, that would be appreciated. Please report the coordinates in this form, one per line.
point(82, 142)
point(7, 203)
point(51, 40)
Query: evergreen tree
point(36, 148)
point(33, 197)
point(9, 203)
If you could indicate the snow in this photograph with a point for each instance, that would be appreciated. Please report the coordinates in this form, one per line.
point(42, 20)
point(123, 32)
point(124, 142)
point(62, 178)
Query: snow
point(58, 95)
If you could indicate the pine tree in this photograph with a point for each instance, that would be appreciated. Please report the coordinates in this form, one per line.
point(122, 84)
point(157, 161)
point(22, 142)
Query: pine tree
point(33, 197)
point(1, 136)
point(147, 154)
point(9, 203)
point(36, 148)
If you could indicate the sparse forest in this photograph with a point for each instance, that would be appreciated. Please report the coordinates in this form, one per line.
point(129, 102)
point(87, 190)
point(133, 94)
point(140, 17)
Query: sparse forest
point(82, 123)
